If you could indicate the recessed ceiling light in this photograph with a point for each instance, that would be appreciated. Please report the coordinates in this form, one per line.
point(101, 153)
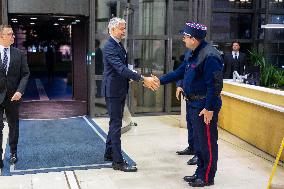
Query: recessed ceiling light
point(73, 22)
point(33, 18)
point(61, 19)
point(77, 20)
point(55, 24)
point(13, 19)
point(32, 23)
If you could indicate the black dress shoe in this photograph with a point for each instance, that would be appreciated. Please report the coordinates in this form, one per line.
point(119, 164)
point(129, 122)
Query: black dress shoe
point(108, 158)
point(190, 178)
point(200, 183)
point(193, 161)
point(123, 167)
point(187, 151)
point(13, 158)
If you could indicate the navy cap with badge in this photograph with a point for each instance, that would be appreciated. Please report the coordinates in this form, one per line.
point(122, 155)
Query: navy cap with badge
point(195, 30)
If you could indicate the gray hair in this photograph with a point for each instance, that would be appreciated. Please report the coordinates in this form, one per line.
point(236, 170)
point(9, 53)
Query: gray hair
point(114, 22)
point(4, 26)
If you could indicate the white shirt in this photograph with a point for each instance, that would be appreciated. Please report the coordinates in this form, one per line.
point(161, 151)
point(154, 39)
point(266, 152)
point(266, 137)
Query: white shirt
point(116, 40)
point(2, 55)
point(234, 53)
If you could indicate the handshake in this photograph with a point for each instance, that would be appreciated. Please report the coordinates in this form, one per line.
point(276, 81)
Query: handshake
point(152, 82)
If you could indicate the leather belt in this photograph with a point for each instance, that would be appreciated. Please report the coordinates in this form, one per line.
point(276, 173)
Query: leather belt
point(193, 97)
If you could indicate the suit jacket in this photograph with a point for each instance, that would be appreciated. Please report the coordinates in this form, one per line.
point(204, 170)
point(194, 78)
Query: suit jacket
point(116, 74)
point(17, 75)
point(231, 64)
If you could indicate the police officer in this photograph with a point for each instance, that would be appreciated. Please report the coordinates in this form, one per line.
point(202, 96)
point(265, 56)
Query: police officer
point(202, 84)
point(190, 149)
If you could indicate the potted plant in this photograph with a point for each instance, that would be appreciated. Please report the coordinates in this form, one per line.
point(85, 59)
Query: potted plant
point(270, 76)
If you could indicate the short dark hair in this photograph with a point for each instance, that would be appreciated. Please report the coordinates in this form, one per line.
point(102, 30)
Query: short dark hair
point(235, 42)
point(97, 43)
point(2, 26)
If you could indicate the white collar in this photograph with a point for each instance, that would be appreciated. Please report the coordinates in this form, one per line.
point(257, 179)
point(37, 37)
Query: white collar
point(2, 48)
point(116, 40)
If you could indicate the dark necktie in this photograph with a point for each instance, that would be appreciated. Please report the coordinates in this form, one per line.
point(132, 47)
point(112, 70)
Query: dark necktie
point(122, 47)
point(236, 57)
point(5, 59)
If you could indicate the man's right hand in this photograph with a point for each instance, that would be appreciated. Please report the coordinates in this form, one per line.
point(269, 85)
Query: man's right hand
point(151, 83)
point(178, 92)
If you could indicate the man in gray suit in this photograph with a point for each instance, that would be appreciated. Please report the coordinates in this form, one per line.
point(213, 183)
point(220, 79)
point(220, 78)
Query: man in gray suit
point(14, 74)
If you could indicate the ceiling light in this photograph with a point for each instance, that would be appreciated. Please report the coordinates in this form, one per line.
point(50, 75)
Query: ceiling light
point(32, 23)
point(73, 22)
point(55, 24)
point(61, 19)
point(274, 26)
point(14, 19)
point(77, 20)
point(33, 18)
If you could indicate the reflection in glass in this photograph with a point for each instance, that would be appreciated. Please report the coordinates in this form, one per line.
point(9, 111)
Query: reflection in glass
point(181, 15)
point(149, 58)
point(177, 59)
point(275, 34)
point(149, 17)
point(260, 31)
point(231, 26)
point(276, 4)
point(236, 4)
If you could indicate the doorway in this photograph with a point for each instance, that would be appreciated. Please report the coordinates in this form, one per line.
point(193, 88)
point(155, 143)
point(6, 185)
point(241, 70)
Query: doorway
point(55, 46)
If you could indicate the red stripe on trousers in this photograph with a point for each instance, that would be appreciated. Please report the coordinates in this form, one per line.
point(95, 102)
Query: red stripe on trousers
point(210, 152)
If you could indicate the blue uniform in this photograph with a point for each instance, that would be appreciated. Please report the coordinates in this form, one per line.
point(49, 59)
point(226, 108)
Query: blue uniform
point(115, 86)
point(201, 78)
point(190, 133)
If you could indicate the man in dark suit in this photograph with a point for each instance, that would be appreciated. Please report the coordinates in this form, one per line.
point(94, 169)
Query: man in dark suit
point(14, 74)
point(234, 61)
point(115, 85)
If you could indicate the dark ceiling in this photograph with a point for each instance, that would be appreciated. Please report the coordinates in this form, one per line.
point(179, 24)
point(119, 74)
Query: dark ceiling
point(43, 20)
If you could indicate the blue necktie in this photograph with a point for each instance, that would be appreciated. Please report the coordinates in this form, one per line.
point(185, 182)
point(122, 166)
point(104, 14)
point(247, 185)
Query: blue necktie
point(5, 59)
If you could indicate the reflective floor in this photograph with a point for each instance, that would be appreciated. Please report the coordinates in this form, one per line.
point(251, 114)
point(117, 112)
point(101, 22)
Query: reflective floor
point(152, 144)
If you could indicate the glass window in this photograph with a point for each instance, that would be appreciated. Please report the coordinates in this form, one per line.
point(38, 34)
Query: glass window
point(181, 15)
point(281, 48)
point(271, 48)
point(260, 31)
point(237, 4)
point(274, 53)
point(262, 4)
point(178, 56)
point(148, 57)
point(231, 26)
point(225, 47)
point(275, 33)
point(149, 17)
point(276, 4)
point(106, 10)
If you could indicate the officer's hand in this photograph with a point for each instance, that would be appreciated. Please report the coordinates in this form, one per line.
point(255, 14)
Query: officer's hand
point(178, 92)
point(151, 83)
point(17, 96)
point(207, 115)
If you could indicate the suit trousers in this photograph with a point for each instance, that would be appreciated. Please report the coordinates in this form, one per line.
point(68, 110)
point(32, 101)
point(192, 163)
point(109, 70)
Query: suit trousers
point(190, 134)
point(115, 107)
point(11, 109)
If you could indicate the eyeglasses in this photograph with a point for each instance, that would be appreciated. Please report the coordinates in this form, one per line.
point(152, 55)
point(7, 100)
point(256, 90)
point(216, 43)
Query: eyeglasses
point(9, 34)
